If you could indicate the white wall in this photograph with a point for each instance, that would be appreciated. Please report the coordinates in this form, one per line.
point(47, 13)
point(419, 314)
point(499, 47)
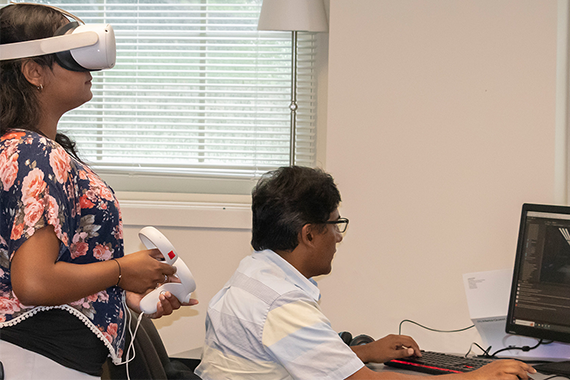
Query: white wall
point(440, 124)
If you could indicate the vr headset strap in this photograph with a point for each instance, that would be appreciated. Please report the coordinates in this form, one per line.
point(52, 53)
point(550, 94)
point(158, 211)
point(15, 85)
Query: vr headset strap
point(47, 45)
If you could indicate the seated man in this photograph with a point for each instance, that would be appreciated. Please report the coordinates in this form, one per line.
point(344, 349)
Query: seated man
point(266, 322)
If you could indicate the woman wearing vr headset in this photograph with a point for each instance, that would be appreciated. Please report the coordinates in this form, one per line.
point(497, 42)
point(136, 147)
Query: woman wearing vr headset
point(63, 272)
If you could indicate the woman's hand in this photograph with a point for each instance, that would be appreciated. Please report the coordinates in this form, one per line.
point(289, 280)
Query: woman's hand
point(167, 303)
point(142, 271)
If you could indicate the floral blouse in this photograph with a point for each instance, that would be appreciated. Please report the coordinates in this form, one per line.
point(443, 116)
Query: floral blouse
point(41, 184)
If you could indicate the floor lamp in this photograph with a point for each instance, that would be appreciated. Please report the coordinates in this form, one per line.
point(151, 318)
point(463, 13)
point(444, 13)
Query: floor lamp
point(294, 16)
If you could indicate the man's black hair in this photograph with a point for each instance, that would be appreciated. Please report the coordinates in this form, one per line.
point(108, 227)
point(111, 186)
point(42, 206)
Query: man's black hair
point(286, 199)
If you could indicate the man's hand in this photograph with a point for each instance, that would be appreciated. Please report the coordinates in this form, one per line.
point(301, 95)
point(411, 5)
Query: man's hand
point(387, 348)
point(502, 370)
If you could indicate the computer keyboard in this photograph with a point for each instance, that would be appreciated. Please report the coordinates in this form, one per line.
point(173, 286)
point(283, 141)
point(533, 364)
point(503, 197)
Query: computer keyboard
point(437, 363)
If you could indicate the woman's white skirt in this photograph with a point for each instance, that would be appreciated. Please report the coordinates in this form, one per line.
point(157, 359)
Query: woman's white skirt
point(21, 364)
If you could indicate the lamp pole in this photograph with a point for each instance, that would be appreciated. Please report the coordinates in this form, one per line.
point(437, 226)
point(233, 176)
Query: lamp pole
point(293, 106)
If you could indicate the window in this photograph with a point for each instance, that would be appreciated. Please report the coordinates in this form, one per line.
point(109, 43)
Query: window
point(197, 95)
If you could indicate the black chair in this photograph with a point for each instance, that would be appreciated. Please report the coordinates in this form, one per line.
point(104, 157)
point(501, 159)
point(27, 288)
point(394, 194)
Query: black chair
point(151, 360)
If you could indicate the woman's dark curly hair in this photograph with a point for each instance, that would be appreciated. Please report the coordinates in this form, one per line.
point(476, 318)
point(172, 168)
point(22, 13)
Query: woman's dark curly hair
point(286, 199)
point(19, 105)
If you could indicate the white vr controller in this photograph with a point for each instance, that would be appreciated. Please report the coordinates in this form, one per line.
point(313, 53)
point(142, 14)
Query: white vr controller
point(153, 238)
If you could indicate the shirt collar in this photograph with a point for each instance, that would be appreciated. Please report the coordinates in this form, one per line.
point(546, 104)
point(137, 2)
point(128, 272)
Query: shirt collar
point(308, 285)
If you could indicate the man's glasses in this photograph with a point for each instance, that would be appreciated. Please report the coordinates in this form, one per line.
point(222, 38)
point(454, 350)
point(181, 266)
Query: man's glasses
point(340, 224)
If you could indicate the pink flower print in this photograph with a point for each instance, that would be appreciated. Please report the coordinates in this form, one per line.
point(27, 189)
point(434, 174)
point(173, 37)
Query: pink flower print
point(112, 329)
point(12, 135)
point(53, 209)
point(3, 157)
point(118, 232)
point(79, 237)
point(106, 193)
point(8, 168)
point(9, 306)
point(17, 231)
point(92, 297)
point(95, 180)
point(33, 185)
point(85, 202)
point(82, 174)
point(79, 249)
point(102, 252)
point(91, 194)
point(33, 212)
point(64, 238)
point(108, 337)
point(59, 161)
point(78, 245)
point(81, 302)
point(53, 213)
point(103, 296)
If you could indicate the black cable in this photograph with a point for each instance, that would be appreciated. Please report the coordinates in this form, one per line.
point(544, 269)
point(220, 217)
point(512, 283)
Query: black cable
point(485, 351)
point(523, 348)
point(430, 329)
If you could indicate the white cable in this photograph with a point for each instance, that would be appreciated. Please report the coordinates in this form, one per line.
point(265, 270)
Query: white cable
point(133, 335)
point(132, 345)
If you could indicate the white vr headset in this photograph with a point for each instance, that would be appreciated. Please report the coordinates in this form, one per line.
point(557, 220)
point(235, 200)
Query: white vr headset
point(76, 47)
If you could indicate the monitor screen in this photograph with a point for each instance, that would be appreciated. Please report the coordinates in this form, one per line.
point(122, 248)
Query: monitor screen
point(539, 304)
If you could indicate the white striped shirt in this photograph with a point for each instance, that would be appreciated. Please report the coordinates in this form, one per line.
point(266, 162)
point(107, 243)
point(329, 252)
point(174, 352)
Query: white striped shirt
point(266, 324)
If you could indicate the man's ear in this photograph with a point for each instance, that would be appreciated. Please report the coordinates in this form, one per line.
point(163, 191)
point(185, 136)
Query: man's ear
point(33, 72)
point(307, 234)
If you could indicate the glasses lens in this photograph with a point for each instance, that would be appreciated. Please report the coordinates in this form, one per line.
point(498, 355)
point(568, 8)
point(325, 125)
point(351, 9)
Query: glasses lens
point(341, 225)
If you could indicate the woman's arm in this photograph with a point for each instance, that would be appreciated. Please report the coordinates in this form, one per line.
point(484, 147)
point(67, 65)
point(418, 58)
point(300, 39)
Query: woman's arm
point(38, 279)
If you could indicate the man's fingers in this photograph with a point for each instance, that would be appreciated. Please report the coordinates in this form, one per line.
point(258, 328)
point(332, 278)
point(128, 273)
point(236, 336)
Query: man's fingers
point(404, 352)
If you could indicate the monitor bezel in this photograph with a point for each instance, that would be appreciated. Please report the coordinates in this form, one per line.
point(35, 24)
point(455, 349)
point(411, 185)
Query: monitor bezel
point(529, 331)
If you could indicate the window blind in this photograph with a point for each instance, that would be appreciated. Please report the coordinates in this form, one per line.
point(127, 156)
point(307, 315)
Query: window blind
point(196, 91)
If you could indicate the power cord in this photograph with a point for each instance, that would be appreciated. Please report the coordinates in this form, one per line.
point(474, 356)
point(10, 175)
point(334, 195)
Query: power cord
point(441, 331)
point(431, 329)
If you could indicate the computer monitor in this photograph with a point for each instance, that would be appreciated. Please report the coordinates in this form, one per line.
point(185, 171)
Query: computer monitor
point(539, 304)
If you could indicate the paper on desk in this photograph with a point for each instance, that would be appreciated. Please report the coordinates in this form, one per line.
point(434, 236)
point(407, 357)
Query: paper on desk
point(488, 293)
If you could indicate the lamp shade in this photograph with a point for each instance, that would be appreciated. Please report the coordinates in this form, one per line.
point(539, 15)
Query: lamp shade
point(293, 15)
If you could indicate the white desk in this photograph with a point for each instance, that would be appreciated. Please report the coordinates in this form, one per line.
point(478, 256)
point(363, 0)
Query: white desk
point(196, 353)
